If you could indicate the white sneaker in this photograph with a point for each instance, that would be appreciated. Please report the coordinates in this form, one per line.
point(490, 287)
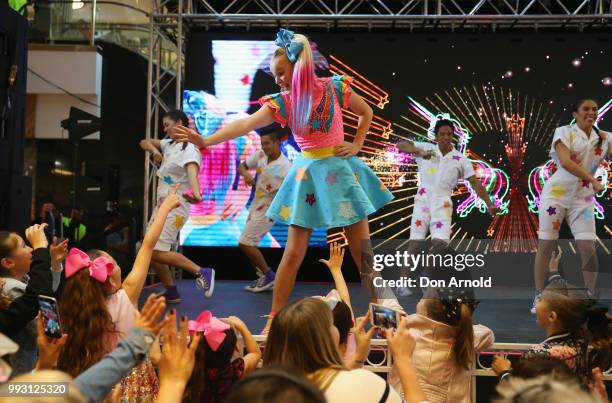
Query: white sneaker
point(536, 299)
point(253, 284)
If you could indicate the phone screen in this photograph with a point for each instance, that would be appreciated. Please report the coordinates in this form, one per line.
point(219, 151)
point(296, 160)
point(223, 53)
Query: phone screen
point(384, 317)
point(50, 317)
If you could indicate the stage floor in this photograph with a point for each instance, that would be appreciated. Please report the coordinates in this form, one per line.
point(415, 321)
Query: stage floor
point(510, 319)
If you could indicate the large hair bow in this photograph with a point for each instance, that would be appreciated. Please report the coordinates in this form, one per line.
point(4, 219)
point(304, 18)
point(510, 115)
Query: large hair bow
point(100, 268)
point(212, 328)
point(284, 39)
point(452, 299)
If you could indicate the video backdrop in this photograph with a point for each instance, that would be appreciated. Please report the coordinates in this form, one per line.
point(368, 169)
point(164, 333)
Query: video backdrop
point(504, 93)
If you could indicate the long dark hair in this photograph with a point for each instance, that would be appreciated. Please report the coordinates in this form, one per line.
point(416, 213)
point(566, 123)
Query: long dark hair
point(207, 359)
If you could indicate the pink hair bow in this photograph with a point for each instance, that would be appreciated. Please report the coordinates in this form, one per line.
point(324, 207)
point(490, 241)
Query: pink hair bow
point(212, 328)
point(100, 268)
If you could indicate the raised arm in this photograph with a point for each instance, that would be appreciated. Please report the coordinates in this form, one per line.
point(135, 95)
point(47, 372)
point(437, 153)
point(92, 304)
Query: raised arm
point(336, 256)
point(134, 282)
point(408, 146)
point(253, 355)
point(153, 146)
point(263, 117)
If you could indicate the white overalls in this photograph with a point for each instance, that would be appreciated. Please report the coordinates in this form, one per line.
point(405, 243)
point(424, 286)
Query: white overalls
point(438, 176)
point(564, 194)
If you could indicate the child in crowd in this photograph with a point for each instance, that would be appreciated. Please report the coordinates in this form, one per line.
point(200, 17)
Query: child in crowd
point(303, 335)
point(215, 372)
point(576, 326)
point(179, 165)
point(446, 345)
point(15, 264)
point(354, 343)
point(97, 309)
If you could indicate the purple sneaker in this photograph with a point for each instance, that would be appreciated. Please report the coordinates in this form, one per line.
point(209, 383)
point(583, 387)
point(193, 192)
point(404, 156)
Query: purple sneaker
point(254, 283)
point(172, 295)
point(265, 282)
point(205, 280)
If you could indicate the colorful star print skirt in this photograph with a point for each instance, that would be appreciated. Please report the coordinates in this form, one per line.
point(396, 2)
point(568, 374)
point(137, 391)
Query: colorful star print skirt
point(328, 193)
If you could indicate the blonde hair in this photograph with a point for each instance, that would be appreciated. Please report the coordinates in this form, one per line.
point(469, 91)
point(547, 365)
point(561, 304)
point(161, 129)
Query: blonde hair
point(300, 337)
point(303, 83)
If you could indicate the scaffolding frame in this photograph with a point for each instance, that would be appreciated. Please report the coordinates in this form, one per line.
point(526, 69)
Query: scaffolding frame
point(171, 20)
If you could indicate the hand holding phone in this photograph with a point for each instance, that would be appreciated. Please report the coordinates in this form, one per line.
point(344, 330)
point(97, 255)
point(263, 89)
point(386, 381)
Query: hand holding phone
point(384, 317)
point(50, 316)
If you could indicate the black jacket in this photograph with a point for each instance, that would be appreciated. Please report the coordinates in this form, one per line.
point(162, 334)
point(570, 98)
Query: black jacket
point(25, 308)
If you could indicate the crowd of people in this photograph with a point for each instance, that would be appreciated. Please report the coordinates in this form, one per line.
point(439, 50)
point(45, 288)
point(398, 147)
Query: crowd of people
point(113, 346)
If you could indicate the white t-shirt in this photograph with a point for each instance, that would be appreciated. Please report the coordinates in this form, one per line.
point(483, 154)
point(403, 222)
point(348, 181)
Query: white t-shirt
point(270, 176)
point(440, 174)
point(172, 169)
point(359, 385)
point(585, 151)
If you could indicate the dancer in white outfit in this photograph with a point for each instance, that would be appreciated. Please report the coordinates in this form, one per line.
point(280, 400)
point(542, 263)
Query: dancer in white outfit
point(577, 150)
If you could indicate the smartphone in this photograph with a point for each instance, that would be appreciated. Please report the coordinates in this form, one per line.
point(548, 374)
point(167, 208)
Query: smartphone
point(384, 317)
point(50, 316)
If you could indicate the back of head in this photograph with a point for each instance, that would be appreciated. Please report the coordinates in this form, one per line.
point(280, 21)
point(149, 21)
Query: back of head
point(343, 320)
point(300, 336)
point(86, 320)
point(539, 365)
point(207, 359)
point(542, 390)
point(274, 385)
point(73, 395)
point(459, 315)
point(178, 116)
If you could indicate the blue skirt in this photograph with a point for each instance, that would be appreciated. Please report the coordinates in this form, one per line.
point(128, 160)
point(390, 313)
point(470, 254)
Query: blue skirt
point(328, 192)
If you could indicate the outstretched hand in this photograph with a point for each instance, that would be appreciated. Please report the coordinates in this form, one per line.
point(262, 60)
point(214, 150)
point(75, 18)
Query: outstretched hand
point(178, 354)
point(183, 134)
point(555, 258)
point(58, 251)
point(336, 256)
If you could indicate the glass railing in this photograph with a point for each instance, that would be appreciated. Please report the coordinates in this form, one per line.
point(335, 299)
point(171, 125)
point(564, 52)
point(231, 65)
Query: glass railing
point(65, 22)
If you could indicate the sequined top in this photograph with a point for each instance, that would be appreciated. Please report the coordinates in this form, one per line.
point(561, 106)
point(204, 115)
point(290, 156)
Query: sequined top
point(574, 351)
point(326, 126)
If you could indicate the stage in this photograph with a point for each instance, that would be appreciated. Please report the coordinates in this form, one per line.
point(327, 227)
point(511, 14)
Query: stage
point(512, 324)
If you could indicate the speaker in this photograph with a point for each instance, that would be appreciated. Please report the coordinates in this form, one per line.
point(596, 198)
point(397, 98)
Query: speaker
point(16, 192)
point(15, 202)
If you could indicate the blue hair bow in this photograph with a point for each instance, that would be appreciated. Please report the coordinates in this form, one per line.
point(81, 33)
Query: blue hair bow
point(292, 48)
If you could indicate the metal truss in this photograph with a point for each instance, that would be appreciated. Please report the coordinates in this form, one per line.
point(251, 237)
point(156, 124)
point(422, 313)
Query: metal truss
point(169, 20)
point(401, 14)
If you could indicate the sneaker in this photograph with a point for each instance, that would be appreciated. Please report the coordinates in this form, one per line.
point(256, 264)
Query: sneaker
point(265, 282)
point(172, 295)
point(403, 292)
point(253, 284)
point(205, 280)
point(536, 299)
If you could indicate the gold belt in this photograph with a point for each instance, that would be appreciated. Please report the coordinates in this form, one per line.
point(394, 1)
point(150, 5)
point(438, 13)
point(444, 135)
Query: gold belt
point(319, 152)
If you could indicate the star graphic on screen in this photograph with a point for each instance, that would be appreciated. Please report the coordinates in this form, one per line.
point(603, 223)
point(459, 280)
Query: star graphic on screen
point(425, 209)
point(285, 212)
point(432, 170)
point(551, 210)
point(382, 186)
point(439, 225)
point(418, 223)
point(245, 80)
point(332, 178)
point(168, 180)
point(456, 157)
point(346, 210)
point(557, 191)
point(301, 174)
point(179, 221)
point(422, 191)
point(585, 184)
point(556, 225)
point(598, 151)
point(310, 198)
point(490, 232)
